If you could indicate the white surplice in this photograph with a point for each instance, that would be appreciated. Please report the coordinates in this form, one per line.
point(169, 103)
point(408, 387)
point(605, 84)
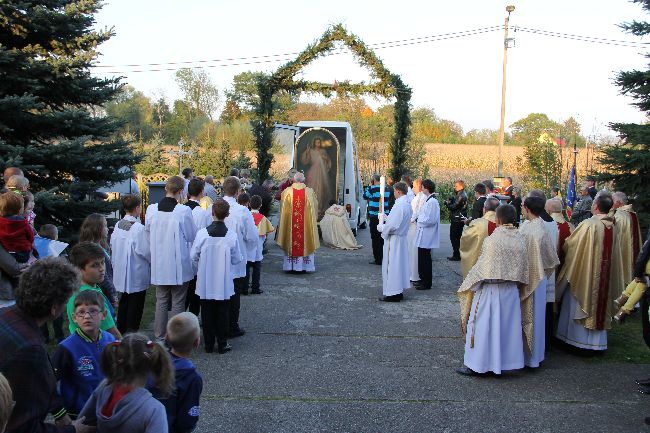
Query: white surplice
point(428, 221)
point(170, 234)
point(131, 257)
point(299, 264)
point(496, 328)
point(572, 332)
point(395, 267)
point(416, 204)
point(213, 259)
point(201, 217)
point(247, 233)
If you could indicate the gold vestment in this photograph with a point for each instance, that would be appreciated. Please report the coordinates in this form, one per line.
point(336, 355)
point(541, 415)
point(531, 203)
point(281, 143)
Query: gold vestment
point(472, 240)
point(289, 226)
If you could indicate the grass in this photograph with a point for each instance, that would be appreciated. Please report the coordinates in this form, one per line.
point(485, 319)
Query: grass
point(625, 344)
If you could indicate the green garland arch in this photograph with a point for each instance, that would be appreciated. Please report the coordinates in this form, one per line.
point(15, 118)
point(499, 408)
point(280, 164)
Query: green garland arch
point(386, 84)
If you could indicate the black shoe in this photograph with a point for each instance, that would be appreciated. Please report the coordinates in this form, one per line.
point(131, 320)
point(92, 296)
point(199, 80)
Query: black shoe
point(244, 292)
point(394, 298)
point(420, 287)
point(453, 259)
point(645, 390)
point(374, 263)
point(466, 371)
point(645, 382)
point(257, 292)
point(224, 349)
point(647, 420)
point(234, 333)
point(209, 349)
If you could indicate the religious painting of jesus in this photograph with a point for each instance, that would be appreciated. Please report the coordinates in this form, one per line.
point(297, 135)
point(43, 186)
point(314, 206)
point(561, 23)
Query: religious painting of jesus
point(316, 155)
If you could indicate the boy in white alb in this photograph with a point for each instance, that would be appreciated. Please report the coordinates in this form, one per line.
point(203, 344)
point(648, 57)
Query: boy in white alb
point(131, 259)
point(264, 227)
point(214, 253)
point(202, 219)
point(171, 230)
point(247, 238)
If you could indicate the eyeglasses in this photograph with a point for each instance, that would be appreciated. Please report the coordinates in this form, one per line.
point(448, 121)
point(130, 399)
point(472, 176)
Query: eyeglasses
point(92, 313)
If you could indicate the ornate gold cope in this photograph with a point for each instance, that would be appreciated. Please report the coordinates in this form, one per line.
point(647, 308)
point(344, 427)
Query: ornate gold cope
point(309, 229)
point(625, 229)
point(472, 241)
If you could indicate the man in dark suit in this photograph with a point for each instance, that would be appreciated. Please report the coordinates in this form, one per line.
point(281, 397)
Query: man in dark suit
point(264, 191)
point(480, 192)
point(457, 205)
point(591, 187)
point(507, 188)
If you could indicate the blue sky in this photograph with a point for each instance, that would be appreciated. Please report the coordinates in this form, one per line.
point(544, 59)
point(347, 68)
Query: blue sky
point(459, 78)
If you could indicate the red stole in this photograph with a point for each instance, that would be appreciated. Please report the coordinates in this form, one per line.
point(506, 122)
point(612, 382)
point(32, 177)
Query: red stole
point(257, 217)
point(491, 227)
point(636, 242)
point(603, 286)
point(565, 232)
point(298, 223)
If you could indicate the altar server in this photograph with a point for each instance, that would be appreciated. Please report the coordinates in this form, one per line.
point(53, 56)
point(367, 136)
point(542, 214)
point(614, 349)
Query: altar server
point(214, 253)
point(395, 266)
point(171, 230)
point(427, 235)
point(131, 258)
point(491, 298)
point(202, 218)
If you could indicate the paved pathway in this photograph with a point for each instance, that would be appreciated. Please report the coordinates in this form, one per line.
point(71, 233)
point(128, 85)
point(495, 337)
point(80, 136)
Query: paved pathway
point(322, 354)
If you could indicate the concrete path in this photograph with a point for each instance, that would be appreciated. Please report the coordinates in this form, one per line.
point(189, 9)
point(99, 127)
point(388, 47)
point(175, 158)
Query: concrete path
point(322, 354)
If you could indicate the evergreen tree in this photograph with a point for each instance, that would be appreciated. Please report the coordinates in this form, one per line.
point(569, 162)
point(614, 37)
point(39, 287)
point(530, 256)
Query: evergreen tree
point(49, 124)
point(627, 164)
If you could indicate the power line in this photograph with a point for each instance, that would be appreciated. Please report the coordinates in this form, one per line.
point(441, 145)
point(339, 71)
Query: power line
point(241, 61)
point(581, 38)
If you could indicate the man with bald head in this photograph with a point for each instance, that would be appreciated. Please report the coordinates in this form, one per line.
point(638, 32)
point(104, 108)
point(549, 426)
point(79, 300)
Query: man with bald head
point(209, 189)
point(11, 171)
point(297, 231)
point(629, 231)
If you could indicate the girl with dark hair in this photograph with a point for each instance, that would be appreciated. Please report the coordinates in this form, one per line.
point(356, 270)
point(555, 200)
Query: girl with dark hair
point(121, 404)
point(95, 229)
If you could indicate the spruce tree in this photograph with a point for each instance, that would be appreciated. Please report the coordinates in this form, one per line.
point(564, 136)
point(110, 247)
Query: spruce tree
point(627, 164)
point(50, 123)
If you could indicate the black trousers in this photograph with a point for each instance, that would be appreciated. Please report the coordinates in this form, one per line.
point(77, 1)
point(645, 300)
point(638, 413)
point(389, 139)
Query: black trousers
point(214, 315)
point(455, 232)
point(57, 326)
point(192, 300)
point(129, 311)
point(424, 267)
point(377, 240)
point(254, 269)
point(240, 285)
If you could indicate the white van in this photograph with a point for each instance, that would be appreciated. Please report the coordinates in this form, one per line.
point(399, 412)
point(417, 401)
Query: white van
point(327, 153)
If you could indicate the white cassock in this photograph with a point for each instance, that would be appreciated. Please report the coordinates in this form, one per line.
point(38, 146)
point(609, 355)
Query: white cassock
point(247, 234)
point(170, 234)
point(131, 257)
point(416, 204)
point(572, 332)
point(427, 233)
point(496, 327)
point(394, 266)
point(213, 259)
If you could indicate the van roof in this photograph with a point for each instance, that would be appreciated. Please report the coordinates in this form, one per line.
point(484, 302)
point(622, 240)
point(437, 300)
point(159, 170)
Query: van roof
point(324, 123)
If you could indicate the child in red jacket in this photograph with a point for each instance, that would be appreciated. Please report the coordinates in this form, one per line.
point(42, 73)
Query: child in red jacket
point(16, 235)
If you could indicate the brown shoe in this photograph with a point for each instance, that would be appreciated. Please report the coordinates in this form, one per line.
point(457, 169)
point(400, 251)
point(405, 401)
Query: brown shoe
point(620, 301)
point(620, 316)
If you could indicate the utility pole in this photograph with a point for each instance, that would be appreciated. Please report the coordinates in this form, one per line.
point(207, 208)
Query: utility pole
point(506, 42)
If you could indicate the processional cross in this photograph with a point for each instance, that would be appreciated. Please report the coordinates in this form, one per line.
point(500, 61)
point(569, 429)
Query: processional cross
point(180, 152)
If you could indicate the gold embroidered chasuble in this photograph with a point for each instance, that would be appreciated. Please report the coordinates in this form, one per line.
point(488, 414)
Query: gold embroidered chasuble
point(503, 257)
point(297, 230)
point(593, 270)
point(472, 240)
point(627, 227)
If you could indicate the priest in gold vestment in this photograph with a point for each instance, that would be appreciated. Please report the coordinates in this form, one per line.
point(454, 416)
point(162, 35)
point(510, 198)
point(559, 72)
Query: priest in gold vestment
point(590, 279)
point(629, 231)
point(495, 301)
point(473, 236)
point(297, 231)
point(542, 260)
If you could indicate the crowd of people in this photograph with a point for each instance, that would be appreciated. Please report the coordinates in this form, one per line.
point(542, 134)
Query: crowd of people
point(201, 256)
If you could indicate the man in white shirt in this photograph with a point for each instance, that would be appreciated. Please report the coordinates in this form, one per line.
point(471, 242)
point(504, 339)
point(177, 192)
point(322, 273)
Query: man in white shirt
point(427, 235)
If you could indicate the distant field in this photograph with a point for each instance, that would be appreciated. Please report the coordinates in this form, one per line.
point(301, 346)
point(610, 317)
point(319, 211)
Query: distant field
point(446, 162)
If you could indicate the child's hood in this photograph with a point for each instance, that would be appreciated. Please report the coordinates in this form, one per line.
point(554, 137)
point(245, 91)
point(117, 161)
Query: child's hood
point(125, 410)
